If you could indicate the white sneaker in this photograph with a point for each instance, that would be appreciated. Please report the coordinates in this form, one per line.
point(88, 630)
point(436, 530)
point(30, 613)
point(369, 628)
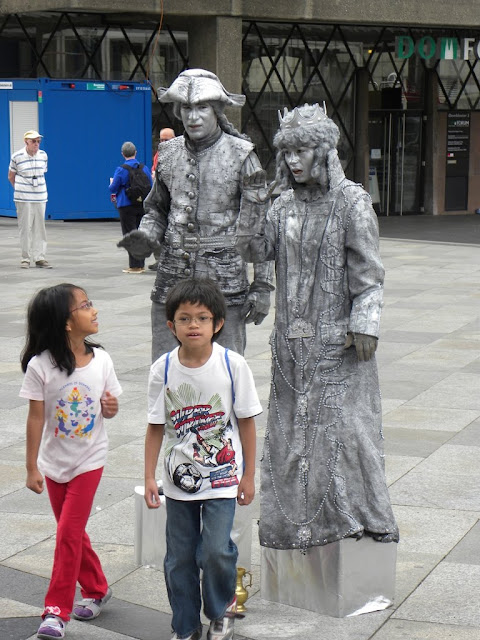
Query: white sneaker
point(222, 629)
point(196, 635)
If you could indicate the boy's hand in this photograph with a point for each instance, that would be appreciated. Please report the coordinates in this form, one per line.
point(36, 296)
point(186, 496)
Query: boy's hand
point(152, 497)
point(35, 481)
point(246, 491)
point(109, 405)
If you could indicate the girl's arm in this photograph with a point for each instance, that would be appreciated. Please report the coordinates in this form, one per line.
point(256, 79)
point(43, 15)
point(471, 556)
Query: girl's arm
point(109, 405)
point(153, 444)
point(35, 423)
point(248, 438)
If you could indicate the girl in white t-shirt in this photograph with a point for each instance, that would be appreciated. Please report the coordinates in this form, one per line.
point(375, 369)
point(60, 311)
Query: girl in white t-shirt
point(71, 385)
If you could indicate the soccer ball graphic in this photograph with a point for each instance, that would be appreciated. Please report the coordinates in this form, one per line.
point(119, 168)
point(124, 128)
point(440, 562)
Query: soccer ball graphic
point(187, 478)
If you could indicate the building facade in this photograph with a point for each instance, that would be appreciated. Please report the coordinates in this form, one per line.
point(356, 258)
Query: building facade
point(401, 79)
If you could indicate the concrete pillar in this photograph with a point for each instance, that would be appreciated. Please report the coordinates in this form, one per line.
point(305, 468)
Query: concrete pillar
point(215, 43)
point(431, 178)
point(361, 159)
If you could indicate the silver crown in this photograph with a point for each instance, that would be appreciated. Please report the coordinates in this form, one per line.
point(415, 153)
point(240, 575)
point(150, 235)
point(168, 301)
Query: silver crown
point(306, 116)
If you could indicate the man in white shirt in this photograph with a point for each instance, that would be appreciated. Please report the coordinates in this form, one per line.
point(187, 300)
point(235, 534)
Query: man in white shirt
point(26, 174)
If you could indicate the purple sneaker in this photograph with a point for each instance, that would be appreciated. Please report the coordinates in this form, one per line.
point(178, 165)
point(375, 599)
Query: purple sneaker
point(88, 608)
point(51, 627)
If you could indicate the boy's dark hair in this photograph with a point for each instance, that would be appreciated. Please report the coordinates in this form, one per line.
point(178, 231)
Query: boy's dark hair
point(47, 315)
point(196, 291)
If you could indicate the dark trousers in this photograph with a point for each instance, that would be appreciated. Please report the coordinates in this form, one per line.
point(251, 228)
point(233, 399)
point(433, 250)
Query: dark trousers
point(130, 220)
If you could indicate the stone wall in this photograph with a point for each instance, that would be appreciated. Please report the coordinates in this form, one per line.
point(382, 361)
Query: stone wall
point(389, 12)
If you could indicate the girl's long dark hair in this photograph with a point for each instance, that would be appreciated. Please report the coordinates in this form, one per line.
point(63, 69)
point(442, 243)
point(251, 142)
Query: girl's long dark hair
point(47, 317)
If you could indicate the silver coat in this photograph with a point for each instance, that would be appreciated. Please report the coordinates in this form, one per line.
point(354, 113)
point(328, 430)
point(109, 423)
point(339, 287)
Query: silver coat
point(322, 472)
point(192, 212)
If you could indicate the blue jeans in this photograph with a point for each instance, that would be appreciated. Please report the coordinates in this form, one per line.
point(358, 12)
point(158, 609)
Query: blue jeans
point(198, 537)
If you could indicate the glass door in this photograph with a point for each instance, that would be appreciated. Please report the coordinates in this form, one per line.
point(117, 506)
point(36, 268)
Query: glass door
point(396, 168)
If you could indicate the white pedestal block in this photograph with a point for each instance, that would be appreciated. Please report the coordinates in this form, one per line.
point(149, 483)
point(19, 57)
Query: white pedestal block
point(149, 538)
point(339, 579)
point(242, 535)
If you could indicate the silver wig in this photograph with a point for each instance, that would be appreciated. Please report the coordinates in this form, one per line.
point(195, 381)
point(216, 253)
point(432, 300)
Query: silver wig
point(321, 136)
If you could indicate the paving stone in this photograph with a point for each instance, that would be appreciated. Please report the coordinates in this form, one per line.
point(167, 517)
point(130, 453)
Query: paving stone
point(447, 479)
point(398, 466)
point(469, 436)
point(267, 620)
point(400, 442)
point(466, 551)
point(431, 531)
point(423, 418)
point(20, 531)
point(13, 609)
point(429, 367)
point(403, 629)
point(445, 597)
point(117, 560)
point(458, 391)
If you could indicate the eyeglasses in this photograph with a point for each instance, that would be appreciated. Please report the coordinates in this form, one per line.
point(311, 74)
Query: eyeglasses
point(86, 305)
point(183, 321)
point(35, 141)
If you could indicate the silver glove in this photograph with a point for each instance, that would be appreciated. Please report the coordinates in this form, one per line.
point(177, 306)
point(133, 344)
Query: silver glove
point(365, 345)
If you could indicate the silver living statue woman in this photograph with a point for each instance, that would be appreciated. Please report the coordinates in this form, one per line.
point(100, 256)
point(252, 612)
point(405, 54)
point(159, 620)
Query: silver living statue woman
point(322, 475)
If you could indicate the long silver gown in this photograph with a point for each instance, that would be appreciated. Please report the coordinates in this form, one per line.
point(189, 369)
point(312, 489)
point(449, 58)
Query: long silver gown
point(322, 470)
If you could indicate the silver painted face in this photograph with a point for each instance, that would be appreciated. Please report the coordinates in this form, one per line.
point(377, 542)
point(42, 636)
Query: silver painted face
point(199, 120)
point(300, 162)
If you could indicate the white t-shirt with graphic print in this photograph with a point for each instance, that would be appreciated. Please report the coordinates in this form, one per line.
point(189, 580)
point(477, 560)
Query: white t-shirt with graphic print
point(203, 451)
point(74, 438)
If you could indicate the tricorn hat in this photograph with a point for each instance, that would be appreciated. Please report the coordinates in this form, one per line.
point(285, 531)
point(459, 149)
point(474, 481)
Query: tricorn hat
point(199, 85)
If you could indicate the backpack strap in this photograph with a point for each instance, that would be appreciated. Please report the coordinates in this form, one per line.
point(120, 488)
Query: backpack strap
point(165, 375)
point(129, 171)
point(227, 360)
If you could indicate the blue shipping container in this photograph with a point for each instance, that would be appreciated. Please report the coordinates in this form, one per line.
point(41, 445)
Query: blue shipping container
point(84, 124)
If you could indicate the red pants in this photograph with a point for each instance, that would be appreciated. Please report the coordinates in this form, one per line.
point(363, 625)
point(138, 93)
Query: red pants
point(74, 557)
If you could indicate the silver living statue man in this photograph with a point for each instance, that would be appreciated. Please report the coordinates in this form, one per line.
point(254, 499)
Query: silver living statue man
point(191, 213)
point(322, 475)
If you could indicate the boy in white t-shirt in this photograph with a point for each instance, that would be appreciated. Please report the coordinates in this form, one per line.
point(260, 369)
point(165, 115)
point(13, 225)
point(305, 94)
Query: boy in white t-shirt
point(202, 398)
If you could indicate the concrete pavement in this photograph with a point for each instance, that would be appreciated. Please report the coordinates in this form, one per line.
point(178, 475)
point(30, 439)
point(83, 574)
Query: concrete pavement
point(429, 362)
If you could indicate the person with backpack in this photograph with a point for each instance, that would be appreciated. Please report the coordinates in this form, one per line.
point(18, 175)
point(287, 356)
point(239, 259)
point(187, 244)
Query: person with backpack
point(131, 183)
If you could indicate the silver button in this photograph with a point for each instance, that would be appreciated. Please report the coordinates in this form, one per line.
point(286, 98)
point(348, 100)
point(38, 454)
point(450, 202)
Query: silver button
point(190, 177)
point(186, 255)
point(188, 209)
point(191, 195)
point(190, 225)
point(187, 272)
